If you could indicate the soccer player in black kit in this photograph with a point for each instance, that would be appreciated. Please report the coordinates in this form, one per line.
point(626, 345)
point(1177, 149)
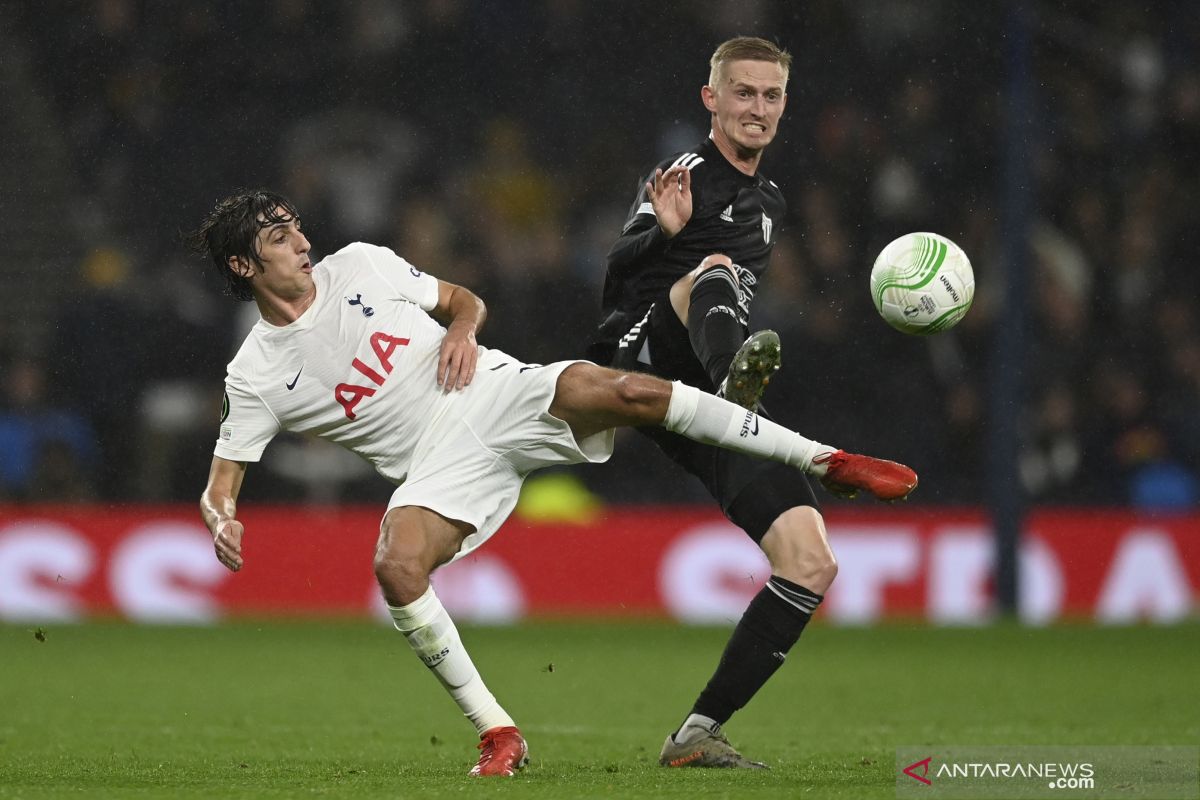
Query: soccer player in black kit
point(677, 296)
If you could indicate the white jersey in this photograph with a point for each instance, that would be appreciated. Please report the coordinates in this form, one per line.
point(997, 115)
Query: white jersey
point(357, 368)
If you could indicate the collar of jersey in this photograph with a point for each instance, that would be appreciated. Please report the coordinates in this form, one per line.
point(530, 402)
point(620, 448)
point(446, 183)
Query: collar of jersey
point(714, 156)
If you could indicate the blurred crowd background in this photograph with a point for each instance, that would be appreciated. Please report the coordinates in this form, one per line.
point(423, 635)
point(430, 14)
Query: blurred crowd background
point(500, 144)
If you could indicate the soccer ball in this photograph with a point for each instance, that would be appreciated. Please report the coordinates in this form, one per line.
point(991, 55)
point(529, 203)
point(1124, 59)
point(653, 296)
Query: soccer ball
point(922, 283)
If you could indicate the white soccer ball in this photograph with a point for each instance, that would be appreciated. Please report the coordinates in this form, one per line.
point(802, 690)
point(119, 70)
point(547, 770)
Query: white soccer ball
point(922, 283)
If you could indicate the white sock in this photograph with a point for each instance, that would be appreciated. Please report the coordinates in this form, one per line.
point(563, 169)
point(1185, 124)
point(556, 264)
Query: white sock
point(694, 727)
point(432, 636)
point(712, 420)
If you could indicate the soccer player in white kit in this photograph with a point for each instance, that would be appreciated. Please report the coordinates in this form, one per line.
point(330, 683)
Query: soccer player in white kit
point(351, 350)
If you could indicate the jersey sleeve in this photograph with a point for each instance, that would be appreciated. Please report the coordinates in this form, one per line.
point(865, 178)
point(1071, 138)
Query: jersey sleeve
point(408, 281)
point(247, 424)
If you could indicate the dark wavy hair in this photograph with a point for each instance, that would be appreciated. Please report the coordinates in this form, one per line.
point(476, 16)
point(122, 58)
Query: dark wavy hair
point(231, 231)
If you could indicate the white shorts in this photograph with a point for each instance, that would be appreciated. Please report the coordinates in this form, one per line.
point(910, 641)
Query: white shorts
point(470, 463)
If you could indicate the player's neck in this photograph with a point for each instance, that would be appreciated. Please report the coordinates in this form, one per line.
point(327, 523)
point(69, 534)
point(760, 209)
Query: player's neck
point(279, 311)
point(744, 161)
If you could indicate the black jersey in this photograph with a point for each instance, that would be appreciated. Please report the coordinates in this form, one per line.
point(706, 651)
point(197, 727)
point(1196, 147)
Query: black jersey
point(732, 213)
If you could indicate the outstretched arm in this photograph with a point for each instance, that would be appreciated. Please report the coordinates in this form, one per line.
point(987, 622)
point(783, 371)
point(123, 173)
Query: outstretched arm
point(463, 313)
point(218, 507)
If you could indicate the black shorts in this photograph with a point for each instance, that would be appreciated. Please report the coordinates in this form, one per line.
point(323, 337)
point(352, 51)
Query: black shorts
point(752, 492)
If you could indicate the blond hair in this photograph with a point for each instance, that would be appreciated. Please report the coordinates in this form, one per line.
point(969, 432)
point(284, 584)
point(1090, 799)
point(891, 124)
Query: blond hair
point(747, 48)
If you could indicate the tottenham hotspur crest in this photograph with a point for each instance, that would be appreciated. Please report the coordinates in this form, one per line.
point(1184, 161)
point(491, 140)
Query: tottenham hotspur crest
point(766, 226)
point(358, 301)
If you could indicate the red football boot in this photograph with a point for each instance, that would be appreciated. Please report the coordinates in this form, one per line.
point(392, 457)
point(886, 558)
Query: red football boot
point(846, 473)
point(504, 752)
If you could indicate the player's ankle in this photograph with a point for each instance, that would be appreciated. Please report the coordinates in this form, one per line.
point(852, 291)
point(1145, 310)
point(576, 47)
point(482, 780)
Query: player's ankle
point(822, 458)
point(696, 726)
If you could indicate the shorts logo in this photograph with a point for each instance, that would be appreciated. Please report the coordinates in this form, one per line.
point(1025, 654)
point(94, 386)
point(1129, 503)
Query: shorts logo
point(766, 228)
point(224, 407)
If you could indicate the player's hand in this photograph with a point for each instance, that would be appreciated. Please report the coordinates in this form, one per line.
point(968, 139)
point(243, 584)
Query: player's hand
point(458, 356)
point(227, 541)
point(670, 195)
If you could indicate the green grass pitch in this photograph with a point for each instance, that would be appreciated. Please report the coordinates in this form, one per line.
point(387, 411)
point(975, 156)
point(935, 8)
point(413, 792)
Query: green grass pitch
point(344, 710)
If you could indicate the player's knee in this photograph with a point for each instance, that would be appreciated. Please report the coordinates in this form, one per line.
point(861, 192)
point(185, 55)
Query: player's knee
point(401, 566)
point(815, 570)
point(798, 549)
point(680, 292)
point(824, 568)
point(817, 564)
point(635, 391)
point(716, 261)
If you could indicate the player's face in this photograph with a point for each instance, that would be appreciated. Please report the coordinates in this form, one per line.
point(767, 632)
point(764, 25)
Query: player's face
point(746, 104)
point(283, 250)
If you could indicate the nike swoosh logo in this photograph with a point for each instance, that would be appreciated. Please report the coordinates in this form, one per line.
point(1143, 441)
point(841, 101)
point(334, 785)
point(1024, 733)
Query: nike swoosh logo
point(292, 385)
point(752, 433)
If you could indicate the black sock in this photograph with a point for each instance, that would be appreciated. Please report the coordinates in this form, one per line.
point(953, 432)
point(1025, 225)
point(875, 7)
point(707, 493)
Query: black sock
point(713, 326)
point(772, 623)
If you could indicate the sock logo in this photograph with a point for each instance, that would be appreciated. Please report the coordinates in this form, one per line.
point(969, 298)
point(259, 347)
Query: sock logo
point(434, 659)
point(749, 425)
point(722, 310)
